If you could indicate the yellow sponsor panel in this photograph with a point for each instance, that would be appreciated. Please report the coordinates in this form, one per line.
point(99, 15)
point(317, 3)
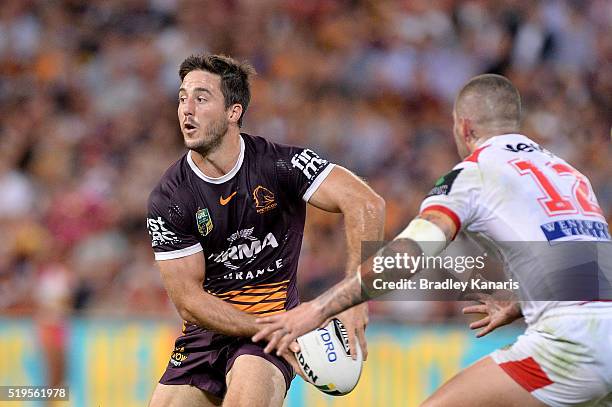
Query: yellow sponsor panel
point(118, 362)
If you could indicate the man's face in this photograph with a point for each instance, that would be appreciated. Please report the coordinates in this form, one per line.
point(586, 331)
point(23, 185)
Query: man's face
point(458, 134)
point(201, 111)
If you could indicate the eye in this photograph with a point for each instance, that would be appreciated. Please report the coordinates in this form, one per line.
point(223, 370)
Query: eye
point(182, 99)
point(201, 99)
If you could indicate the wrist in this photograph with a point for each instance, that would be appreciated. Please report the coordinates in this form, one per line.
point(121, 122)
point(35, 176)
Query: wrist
point(318, 308)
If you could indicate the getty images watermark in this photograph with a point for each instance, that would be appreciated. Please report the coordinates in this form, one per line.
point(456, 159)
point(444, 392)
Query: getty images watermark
point(409, 265)
point(540, 270)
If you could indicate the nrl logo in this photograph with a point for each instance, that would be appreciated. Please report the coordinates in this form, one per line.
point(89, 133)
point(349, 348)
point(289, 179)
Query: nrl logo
point(204, 221)
point(264, 199)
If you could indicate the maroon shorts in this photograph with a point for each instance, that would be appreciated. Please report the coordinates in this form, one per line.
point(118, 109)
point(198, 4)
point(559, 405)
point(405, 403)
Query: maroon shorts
point(203, 358)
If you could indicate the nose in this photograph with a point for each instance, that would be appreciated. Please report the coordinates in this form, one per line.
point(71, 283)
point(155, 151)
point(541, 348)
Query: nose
point(188, 107)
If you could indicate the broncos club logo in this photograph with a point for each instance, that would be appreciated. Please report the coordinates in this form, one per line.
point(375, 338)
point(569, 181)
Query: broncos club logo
point(264, 199)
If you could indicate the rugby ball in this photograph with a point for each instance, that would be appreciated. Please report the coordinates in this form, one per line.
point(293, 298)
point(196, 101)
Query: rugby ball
point(325, 359)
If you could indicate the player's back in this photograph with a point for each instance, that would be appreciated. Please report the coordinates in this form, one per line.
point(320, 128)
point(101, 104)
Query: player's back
point(535, 195)
point(540, 213)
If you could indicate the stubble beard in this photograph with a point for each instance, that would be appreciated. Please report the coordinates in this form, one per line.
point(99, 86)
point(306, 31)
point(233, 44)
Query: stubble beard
point(214, 135)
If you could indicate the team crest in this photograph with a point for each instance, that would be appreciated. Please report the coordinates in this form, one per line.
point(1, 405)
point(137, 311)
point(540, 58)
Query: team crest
point(204, 221)
point(264, 199)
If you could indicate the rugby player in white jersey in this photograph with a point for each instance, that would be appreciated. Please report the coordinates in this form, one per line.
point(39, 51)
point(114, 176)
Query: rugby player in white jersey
point(506, 189)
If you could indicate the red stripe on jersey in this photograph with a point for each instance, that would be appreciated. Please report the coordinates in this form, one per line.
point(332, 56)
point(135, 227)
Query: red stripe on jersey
point(448, 212)
point(474, 156)
point(527, 373)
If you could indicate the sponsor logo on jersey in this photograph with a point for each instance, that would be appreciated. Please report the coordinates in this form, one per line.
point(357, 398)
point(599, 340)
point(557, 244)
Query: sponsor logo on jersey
point(225, 201)
point(178, 356)
point(444, 183)
point(251, 274)
point(244, 249)
point(159, 233)
point(308, 162)
point(264, 199)
point(526, 148)
point(575, 227)
point(204, 221)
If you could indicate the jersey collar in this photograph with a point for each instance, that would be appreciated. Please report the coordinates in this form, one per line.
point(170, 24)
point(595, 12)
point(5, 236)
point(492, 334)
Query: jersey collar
point(223, 178)
point(493, 139)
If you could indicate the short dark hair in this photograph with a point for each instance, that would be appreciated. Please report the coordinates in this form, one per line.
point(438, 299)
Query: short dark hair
point(491, 99)
point(234, 77)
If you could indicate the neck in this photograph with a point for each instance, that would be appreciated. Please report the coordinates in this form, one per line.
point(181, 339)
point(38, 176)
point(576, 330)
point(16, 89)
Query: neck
point(485, 134)
point(222, 159)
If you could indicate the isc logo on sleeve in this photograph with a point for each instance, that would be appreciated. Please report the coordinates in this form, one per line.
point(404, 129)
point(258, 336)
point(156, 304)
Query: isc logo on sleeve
point(308, 162)
point(159, 233)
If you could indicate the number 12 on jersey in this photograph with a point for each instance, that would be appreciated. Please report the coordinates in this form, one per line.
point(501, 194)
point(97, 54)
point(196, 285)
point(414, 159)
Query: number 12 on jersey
point(553, 202)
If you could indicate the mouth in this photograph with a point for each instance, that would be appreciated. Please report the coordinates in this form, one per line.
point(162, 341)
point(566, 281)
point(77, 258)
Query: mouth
point(189, 128)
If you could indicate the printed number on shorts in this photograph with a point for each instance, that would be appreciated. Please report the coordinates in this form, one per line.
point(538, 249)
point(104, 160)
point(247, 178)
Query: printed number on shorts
point(553, 202)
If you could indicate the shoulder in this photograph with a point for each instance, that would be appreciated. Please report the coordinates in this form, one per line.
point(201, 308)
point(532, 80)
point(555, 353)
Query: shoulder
point(262, 146)
point(170, 183)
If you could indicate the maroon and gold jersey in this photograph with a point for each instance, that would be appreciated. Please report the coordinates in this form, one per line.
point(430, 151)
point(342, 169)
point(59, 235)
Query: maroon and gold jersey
point(248, 223)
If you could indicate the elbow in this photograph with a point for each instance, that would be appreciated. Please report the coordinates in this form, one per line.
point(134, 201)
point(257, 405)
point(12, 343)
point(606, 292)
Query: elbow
point(184, 310)
point(380, 204)
point(375, 205)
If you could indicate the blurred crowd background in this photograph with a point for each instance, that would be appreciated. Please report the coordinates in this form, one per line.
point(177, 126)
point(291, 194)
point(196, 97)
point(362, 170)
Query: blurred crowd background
point(88, 120)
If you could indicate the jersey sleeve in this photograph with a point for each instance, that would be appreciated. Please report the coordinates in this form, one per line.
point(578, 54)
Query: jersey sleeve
point(456, 194)
point(301, 171)
point(170, 229)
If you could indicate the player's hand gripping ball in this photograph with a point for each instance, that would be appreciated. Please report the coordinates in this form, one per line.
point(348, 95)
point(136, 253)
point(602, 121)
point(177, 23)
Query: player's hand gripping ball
point(325, 359)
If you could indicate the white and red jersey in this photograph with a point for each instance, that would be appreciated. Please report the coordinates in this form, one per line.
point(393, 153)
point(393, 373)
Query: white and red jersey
point(512, 190)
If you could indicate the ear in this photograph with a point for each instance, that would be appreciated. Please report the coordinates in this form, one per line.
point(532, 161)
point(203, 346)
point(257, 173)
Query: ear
point(234, 112)
point(466, 129)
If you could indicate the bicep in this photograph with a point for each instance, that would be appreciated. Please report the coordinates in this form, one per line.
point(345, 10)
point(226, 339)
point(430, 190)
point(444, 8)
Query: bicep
point(183, 277)
point(340, 189)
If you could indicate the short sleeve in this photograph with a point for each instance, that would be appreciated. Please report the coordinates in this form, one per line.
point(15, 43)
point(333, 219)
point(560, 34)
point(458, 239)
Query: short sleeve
point(456, 194)
point(170, 228)
point(301, 171)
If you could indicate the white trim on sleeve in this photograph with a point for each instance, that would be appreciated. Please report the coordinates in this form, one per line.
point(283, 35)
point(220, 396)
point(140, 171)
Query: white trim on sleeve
point(177, 254)
point(317, 182)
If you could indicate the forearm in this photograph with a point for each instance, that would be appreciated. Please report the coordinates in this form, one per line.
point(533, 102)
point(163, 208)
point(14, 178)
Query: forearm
point(356, 289)
point(209, 312)
point(364, 222)
point(370, 273)
point(344, 295)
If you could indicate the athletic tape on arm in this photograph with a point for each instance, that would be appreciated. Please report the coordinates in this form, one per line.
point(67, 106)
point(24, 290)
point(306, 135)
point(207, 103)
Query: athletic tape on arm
point(430, 238)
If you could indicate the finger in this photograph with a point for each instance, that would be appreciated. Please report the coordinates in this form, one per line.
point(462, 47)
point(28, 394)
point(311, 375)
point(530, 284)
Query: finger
point(475, 309)
point(283, 344)
point(488, 329)
point(294, 347)
point(265, 332)
point(363, 343)
point(480, 323)
point(273, 341)
point(351, 340)
point(267, 320)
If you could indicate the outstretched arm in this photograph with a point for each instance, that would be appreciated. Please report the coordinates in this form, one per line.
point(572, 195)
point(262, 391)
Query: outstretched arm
point(282, 330)
point(364, 219)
